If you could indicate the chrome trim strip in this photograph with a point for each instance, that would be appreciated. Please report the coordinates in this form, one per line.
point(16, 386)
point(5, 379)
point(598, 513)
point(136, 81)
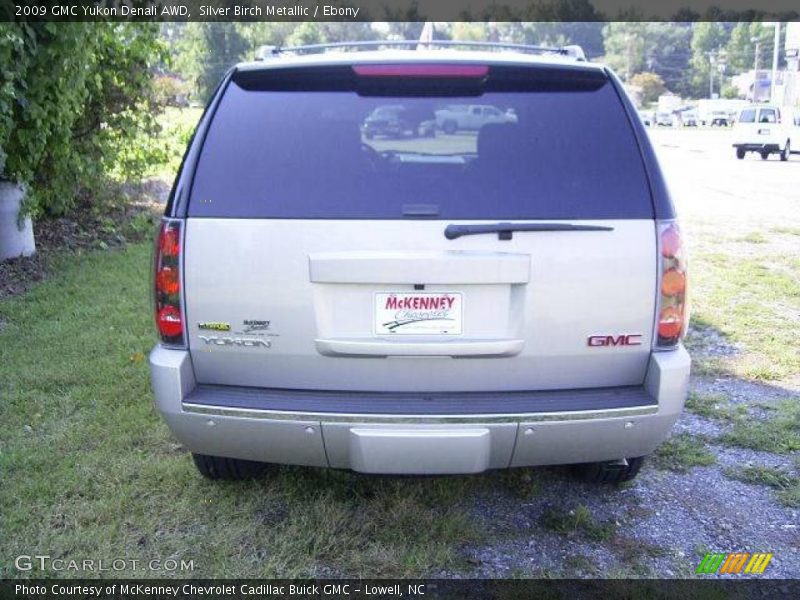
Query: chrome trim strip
point(222, 411)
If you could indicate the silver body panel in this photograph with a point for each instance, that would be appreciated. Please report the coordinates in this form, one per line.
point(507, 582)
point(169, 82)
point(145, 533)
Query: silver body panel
point(420, 444)
point(526, 311)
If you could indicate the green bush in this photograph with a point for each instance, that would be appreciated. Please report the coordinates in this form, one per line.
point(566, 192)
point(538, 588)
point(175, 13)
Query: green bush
point(76, 107)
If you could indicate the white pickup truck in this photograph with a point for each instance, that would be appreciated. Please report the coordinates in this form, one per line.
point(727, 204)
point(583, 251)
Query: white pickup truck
point(471, 117)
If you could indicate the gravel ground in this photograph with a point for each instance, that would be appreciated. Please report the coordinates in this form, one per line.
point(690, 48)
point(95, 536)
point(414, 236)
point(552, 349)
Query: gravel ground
point(663, 522)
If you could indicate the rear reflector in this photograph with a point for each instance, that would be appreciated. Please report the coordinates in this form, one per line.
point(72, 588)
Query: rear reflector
point(670, 323)
point(418, 70)
point(167, 283)
point(673, 314)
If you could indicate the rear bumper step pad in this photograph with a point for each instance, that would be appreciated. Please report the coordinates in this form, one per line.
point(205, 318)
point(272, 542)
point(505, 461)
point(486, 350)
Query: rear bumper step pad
point(445, 403)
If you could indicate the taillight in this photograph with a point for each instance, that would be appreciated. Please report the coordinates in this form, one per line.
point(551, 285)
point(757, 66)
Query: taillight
point(167, 279)
point(673, 314)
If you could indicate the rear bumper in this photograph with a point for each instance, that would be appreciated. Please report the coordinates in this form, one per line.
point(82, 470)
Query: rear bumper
point(417, 433)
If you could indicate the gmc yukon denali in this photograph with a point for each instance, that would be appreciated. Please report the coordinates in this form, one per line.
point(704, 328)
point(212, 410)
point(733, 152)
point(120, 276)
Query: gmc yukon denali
point(505, 297)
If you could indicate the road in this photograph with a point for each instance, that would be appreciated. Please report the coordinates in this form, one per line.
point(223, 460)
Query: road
point(706, 178)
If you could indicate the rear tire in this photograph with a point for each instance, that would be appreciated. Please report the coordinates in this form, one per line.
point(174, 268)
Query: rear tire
point(740, 153)
point(764, 155)
point(230, 469)
point(786, 152)
point(449, 127)
point(609, 472)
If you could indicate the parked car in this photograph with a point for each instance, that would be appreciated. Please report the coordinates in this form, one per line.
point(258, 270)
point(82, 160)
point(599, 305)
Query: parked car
point(455, 117)
point(665, 119)
point(647, 117)
point(766, 129)
point(688, 118)
point(719, 118)
point(397, 121)
point(507, 299)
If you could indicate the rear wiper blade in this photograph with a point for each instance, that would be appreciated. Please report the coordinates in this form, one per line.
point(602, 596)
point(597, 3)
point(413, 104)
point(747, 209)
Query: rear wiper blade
point(504, 231)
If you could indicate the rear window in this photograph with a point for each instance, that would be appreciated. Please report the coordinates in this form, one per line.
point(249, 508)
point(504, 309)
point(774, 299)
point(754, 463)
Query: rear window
point(562, 151)
point(766, 115)
point(747, 116)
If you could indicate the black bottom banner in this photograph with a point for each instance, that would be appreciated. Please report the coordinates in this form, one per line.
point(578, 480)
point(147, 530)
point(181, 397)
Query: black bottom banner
point(384, 589)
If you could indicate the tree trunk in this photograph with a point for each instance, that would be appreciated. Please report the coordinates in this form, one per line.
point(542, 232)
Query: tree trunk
point(16, 236)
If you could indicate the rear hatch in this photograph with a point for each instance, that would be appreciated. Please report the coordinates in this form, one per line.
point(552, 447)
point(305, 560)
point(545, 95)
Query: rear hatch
point(521, 256)
point(758, 126)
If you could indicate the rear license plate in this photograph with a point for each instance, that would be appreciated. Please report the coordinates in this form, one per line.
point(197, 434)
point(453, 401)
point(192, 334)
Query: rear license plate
point(414, 313)
point(763, 132)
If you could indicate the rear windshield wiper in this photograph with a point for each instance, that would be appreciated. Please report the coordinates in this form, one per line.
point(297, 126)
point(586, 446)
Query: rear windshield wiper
point(504, 231)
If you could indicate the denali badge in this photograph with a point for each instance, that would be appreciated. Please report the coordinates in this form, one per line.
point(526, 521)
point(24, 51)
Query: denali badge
point(214, 325)
point(632, 339)
point(229, 341)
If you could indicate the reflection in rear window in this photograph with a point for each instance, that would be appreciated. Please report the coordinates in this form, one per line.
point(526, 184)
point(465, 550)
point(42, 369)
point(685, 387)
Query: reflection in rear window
point(501, 155)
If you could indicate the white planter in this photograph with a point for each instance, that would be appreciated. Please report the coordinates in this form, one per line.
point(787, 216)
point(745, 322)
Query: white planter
point(14, 240)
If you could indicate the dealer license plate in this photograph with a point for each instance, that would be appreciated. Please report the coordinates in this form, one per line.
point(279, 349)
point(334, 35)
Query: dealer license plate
point(418, 313)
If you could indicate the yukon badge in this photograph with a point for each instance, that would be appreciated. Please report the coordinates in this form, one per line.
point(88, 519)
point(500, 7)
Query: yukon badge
point(235, 341)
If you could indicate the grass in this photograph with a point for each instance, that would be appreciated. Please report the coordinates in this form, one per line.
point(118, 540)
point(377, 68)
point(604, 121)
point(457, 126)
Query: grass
point(754, 237)
point(755, 303)
point(786, 485)
point(786, 230)
point(779, 432)
point(714, 406)
point(90, 470)
point(682, 452)
point(580, 565)
point(578, 520)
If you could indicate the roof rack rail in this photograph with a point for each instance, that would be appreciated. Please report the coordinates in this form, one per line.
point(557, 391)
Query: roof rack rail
point(575, 52)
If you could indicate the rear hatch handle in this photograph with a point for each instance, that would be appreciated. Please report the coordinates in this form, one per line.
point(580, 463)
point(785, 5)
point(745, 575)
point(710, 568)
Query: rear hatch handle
point(504, 231)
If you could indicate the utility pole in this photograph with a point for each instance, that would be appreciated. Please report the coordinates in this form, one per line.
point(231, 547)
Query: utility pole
point(712, 60)
point(776, 45)
point(757, 42)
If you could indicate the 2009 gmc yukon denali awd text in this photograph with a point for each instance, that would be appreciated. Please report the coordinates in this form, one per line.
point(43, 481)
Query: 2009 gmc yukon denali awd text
point(422, 301)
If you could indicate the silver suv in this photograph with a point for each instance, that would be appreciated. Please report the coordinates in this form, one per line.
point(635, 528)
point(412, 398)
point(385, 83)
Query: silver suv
point(505, 297)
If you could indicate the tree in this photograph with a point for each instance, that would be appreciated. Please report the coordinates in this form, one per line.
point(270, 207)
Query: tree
point(76, 105)
point(707, 38)
point(208, 50)
point(471, 32)
point(651, 84)
point(586, 34)
point(661, 48)
point(741, 51)
point(667, 53)
point(309, 32)
point(624, 44)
